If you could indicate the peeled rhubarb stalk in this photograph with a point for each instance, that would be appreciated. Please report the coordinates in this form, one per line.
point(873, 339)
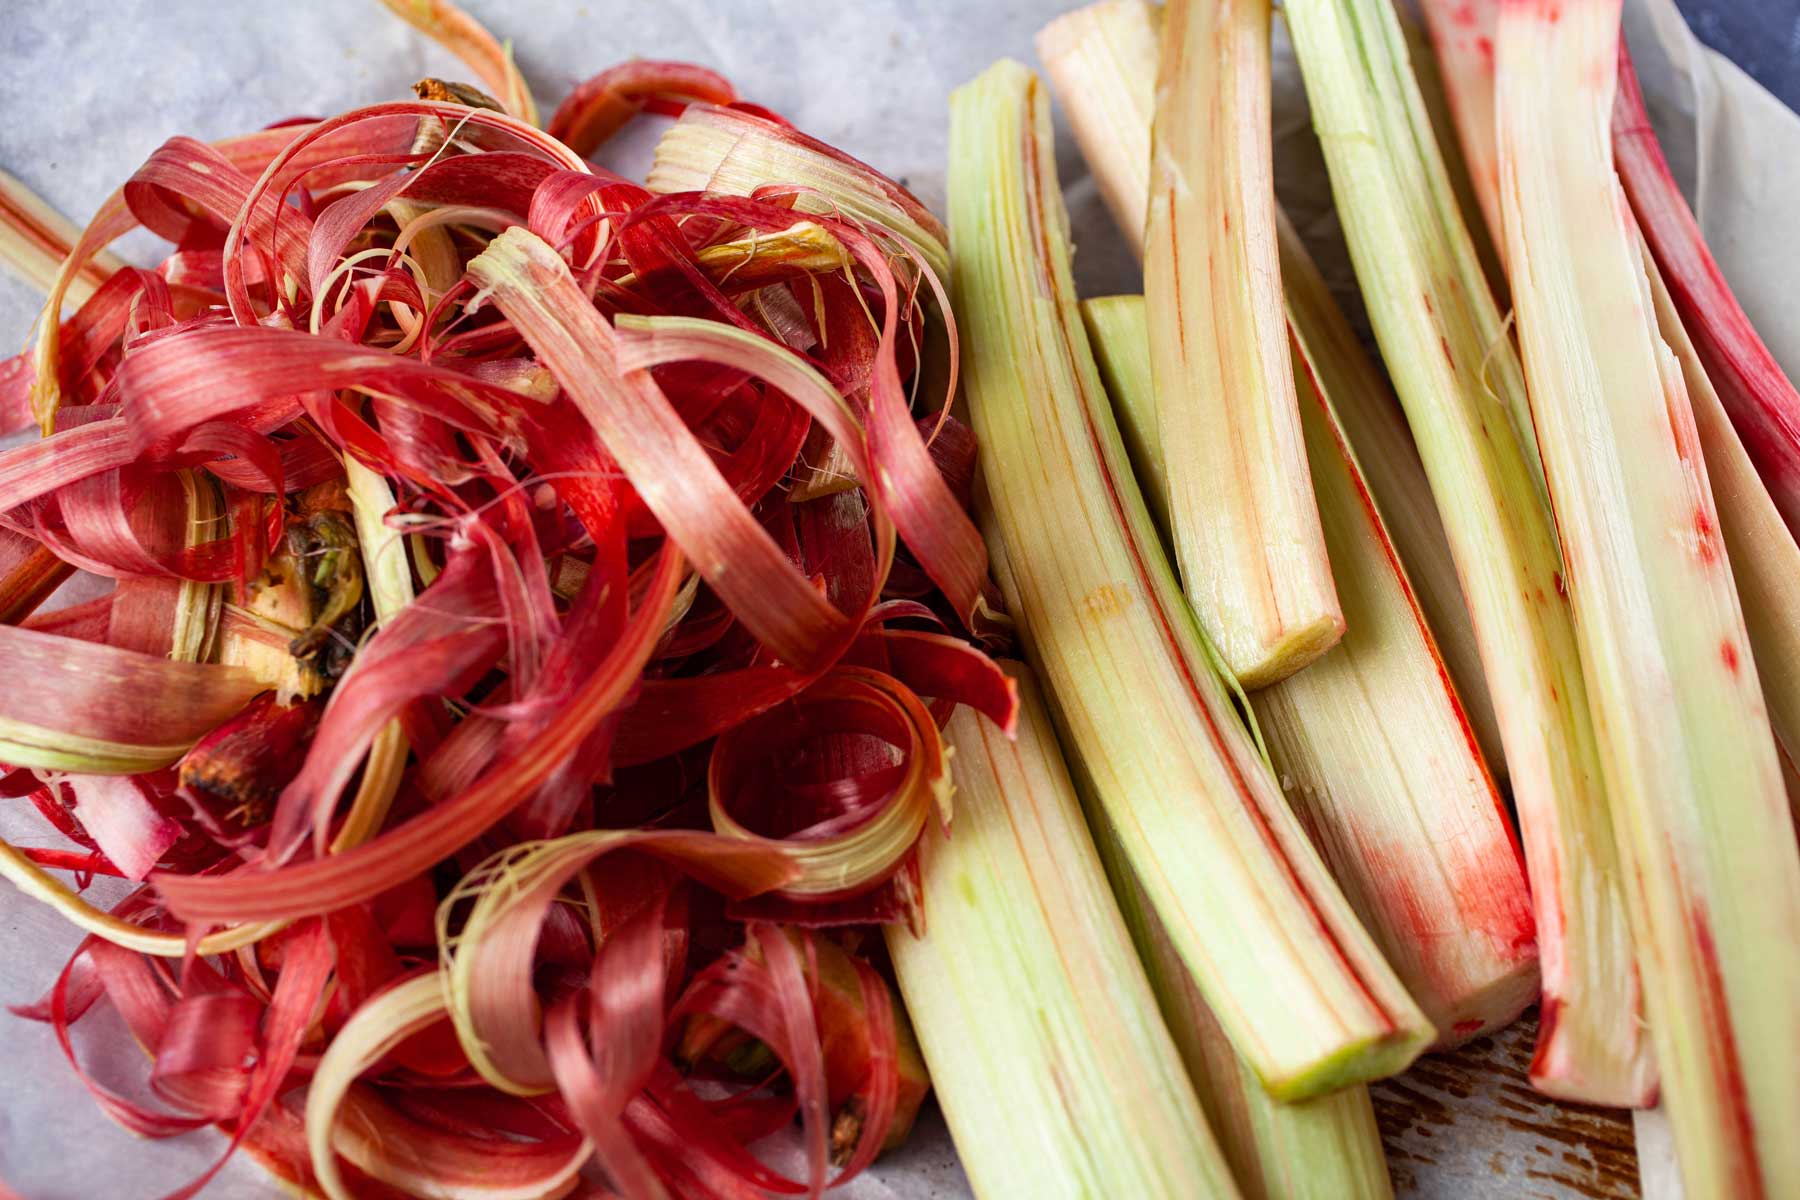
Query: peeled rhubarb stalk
point(1101, 63)
point(1243, 518)
point(1762, 401)
point(1023, 985)
point(1756, 393)
point(1297, 983)
point(1328, 1148)
point(1459, 380)
point(1765, 558)
point(1696, 788)
point(1370, 743)
point(1462, 37)
point(1375, 426)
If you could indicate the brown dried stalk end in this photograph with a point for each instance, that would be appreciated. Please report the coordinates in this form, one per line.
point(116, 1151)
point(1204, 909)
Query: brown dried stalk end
point(445, 91)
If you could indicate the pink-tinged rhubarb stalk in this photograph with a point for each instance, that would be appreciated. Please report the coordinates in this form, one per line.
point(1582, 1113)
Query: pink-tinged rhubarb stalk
point(1242, 514)
point(1326, 1147)
point(1438, 96)
point(1761, 400)
point(1101, 63)
point(1376, 429)
point(1765, 558)
point(1459, 380)
point(1695, 782)
point(1757, 394)
point(1462, 37)
point(1370, 742)
point(1023, 984)
point(1296, 981)
point(35, 238)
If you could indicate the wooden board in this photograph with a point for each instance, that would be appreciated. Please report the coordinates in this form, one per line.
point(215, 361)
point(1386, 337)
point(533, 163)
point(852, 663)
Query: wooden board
point(1469, 1124)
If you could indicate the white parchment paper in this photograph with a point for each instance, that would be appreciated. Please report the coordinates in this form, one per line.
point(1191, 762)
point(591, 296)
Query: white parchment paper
point(90, 87)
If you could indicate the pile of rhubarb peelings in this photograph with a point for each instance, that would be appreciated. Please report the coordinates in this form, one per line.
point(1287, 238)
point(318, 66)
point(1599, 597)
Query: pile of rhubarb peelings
point(524, 608)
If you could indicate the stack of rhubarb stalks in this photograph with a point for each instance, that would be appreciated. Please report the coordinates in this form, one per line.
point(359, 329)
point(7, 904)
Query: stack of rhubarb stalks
point(552, 676)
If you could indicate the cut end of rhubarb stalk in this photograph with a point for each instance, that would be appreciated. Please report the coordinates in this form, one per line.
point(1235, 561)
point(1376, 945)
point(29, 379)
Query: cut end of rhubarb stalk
point(1324, 1147)
point(1241, 508)
point(1101, 62)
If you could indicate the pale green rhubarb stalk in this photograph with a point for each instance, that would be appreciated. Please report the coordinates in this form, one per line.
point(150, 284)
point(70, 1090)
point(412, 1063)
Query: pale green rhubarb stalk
point(1245, 525)
point(1101, 63)
point(1376, 429)
point(1297, 983)
point(1696, 786)
point(1323, 1149)
point(1439, 96)
point(1459, 380)
point(1326, 1148)
point(1765, 559)
point(1370, 743)
point(1024, 984)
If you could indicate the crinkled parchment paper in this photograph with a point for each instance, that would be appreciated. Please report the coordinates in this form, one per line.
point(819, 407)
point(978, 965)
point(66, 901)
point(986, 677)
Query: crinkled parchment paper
point(90, 87)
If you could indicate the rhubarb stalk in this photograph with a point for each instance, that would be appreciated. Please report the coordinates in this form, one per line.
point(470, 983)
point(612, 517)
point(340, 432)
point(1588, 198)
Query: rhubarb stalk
point(1101, 63)
point(1370, 742)
point(1328, 1148)
point(35, 238)
point(1243, 518)
point(1458, 378)
point(1697, 793)
point(1765, 558)
point(1024, 985)
point(1297, 983)
point(1761, 399)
